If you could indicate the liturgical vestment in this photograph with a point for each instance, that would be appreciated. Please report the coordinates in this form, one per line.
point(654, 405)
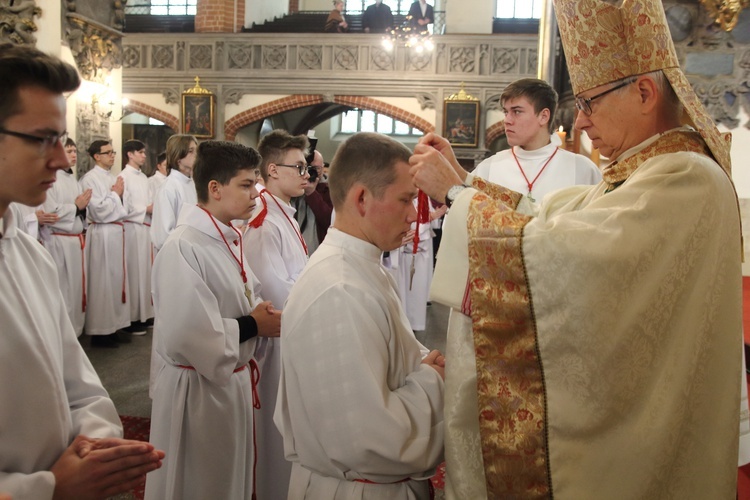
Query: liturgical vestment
point(597, 353)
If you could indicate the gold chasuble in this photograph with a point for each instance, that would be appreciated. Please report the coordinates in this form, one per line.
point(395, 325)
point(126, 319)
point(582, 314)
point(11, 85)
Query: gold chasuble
point(592, 349)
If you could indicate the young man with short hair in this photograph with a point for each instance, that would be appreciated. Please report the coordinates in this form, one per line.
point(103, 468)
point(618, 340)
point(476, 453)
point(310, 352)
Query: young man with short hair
point(277, 253)
point(60, 431)
point(107, 299)
point(159, 177)
point(64, 238)
point(207, 318)
point(137, 239)
point(360, 400)
point(533, 165)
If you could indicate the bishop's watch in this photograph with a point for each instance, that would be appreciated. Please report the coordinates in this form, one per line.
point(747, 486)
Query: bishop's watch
point(453, 193)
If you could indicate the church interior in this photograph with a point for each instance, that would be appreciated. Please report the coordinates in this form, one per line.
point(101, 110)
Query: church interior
point(236, 69)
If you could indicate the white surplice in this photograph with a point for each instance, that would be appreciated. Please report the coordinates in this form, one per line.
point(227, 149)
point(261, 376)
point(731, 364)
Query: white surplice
point(355, 402)
point(66, 244)
point(50, 392)
point(107, 308)
point(565, 169)
point(155, 182)
point(277, 257)
point(202, 414)
point(137, 243)
point(177, 190)
point(25, 219)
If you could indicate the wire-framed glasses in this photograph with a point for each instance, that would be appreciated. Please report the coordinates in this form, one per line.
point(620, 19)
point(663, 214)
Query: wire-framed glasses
point(301, 168)
point(584, 103)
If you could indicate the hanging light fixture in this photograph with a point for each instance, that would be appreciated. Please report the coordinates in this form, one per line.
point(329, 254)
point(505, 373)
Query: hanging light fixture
point(410, 36)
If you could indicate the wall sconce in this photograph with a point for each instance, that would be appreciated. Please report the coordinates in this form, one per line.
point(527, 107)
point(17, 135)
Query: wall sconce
point(103, 101)
point(725, 12)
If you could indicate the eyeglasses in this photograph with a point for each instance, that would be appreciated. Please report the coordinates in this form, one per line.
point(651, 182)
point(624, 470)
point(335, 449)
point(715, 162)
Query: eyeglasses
point(302, 169)
point(46, 142)
point(584, 103)
point(108, 153)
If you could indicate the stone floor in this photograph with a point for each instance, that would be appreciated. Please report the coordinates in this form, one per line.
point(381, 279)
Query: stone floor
point(125, 371)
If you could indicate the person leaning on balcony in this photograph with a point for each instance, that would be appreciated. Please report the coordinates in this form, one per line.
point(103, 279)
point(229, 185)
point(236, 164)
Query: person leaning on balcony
point(336, 23)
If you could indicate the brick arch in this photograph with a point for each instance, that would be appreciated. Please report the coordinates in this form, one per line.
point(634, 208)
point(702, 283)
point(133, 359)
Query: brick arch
point(494, 131)
point(383, 108)
point(267, 109)
point(169, 120)
point(288, 103)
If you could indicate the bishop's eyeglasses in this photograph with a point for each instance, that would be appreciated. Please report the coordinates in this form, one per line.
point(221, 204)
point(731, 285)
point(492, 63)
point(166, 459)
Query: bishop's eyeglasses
point(584, 103)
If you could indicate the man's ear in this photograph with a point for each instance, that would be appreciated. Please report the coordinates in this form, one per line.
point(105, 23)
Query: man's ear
point(647, 93)
point(358, 198)
point(544, 117)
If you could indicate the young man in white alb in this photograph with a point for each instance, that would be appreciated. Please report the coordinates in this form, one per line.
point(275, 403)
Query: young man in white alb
point(277, 253)
point(360, 399)
point(207, 321)
point(534, 166)
point(156, 181)
point(107, 291)
point(65, 239)
point(137, 239)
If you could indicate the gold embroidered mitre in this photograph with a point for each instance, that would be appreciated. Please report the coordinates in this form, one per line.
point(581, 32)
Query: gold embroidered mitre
point(605, 43)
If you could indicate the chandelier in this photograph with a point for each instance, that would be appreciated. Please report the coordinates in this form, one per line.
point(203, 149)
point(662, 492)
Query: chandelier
point(410, 36)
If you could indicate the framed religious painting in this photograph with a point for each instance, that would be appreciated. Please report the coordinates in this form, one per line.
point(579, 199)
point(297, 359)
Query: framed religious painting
point(461, 120)
point(198, 112)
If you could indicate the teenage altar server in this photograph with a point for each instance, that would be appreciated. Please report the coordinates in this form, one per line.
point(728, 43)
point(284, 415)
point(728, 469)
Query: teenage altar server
point(64, 238)
point(60, 431)
point(360, 400)
point(107, 308)
point(156, 181)
point(135, 197)
point(177, 190)
point(206, 324)
point(277, 253)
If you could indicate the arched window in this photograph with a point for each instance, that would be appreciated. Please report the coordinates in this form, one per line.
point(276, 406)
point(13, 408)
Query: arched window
point(358, 120)
point(162, 7)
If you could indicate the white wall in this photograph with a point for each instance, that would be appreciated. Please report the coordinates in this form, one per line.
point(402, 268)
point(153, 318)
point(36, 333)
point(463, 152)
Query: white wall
point(260, 11)
point(461, 17)
point(740, 155)
point(321, 5)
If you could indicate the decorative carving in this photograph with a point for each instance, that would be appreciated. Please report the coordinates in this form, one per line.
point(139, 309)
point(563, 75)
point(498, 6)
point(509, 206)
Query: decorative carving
point(90, 127)
point(171, 95)
point(382, 59)
point(494, 103)
point(17, 21)
point(240, 55)
point(201, 57)
point(96, 48)
point(725, 12)
point(131, 56)
point(328, 97)
point(310, 57)
point(504, 61)
point(418, 61)
point(162, 56)
point(462, 59)
point(426, 101)
point(233, 95)
point(346, 57)
point(274, 56)
point(118, 14)
point(533, 61)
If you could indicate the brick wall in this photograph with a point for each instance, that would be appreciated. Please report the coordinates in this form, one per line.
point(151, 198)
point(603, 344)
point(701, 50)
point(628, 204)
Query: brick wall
point(218, 16)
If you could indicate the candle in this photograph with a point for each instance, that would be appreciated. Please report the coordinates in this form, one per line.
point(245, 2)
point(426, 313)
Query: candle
point(561, 135)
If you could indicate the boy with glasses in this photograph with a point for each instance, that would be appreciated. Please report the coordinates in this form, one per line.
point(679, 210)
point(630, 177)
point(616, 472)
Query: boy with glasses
point(277, 253)
point(107, 308)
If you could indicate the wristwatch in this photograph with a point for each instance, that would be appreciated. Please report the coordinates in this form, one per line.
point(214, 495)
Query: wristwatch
point(453, 193)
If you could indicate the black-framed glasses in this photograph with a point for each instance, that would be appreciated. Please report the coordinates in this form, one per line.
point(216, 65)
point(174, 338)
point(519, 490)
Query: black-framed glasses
point(109, 153)
point(584, 103)
point(46, 142)
point(301, 168)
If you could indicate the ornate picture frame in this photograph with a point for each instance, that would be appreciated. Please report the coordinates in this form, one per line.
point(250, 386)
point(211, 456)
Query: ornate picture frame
point(197, 112)
point(461, 120)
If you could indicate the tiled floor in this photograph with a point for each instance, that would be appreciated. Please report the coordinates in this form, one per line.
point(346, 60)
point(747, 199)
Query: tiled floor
point(124, 371)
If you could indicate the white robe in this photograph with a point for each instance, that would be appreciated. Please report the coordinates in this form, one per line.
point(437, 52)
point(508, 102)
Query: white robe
point(355, 402)
point(50, 393)
point(135, 198)
point(24, 217)
point(202, 417)
point(177, 190)
point(277, 258)
point(565, 169)
point(107, 309)
point(66, 244)
point(155, 182)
